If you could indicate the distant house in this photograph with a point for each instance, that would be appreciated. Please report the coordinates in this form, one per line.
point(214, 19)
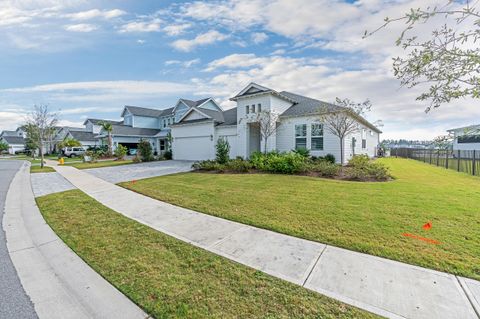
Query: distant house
point(14, 139)
point(466, 138)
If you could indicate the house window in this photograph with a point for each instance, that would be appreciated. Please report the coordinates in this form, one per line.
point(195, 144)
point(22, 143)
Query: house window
point(247, 109)
point(466, 139)
point(259, 108)
point(162, 145)
point(300, 136)
point(317, 137)
point(164, 123)
point(252, 108)
point(364, 138)
point(168, 121)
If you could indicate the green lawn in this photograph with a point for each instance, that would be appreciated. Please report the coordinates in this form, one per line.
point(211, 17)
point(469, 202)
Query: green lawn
point(366, 217)
point(101, 164)
point(37, 169)
point(169, 278)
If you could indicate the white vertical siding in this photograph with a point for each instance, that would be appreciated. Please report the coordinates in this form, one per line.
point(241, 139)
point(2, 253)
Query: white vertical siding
point(230, 133)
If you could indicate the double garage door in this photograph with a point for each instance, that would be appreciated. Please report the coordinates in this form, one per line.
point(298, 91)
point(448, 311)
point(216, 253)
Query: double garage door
point(193, 148)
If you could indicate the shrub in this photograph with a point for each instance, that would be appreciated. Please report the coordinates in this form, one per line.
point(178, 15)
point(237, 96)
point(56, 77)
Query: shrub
point(302, 151)
point(330, 158)
point(324, 168)
point(145, 150)
point(360, 167)
point(223, 149)
point(274, 162)
point(120, 152)
point(136, 159)
point(208, 165)
point(167, 155)
point(92, 154)
point(238, 165)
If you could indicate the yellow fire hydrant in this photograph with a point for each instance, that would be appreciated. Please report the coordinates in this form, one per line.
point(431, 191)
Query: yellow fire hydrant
point(61, 161)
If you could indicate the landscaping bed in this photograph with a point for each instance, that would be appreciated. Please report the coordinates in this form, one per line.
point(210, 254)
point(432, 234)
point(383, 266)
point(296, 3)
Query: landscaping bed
point(98, 164)
point(359, 168)
point(365, 217)
point(169, 278)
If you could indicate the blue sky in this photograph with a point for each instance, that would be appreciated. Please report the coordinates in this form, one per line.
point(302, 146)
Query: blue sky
point(89, 58)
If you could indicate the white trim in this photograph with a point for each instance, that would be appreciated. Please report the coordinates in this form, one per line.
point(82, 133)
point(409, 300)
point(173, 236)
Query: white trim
point(193, 108)
point(253, 85)
point(214, 102)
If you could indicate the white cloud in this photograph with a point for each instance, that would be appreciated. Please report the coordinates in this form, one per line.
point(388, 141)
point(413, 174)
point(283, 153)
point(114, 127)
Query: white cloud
point(81, 27)
point(206, 38)
point(142, 26)
point(259, 37)
point(185, 64)
point(176, 29)
point(10, 120)
point(95, 13)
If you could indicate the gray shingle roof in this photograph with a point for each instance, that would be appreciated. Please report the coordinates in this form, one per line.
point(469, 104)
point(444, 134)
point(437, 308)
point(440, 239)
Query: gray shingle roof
point(191, 103)
point(125, 130)
point(216, 115)
point(167, 112)
point(143, 111)
point(230, 117)
point(306, 106)
point(99, 122)
point(9, 133)
point(14, 139)
point(82, 135)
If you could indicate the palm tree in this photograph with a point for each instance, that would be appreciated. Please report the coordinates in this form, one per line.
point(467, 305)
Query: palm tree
point(108, 128)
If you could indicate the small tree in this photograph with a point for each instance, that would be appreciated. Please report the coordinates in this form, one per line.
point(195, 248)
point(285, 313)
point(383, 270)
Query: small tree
point(267, 122)
point(108, 127)
point(145, 150)
point(3, 146)
point(443, 142)
point(223, 150)
point(342, 120)
point(39, 125)
point(120, 152)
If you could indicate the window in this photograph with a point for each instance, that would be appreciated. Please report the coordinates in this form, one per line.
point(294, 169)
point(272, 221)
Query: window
point(168, 121)
point(162, 145)
point(317, 137)
point(259, 108)
point(164, 123)
point(465, 139)
point(301, 136)
point(364, 138)
point(252, 108)
point(247, 109)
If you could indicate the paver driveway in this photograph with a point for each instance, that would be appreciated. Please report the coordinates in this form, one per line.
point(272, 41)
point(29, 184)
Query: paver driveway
point(124, 173)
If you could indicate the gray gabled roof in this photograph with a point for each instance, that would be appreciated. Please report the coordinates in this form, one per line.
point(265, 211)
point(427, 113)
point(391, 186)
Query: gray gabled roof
point(9, 133)
point(307, 106)
point(230, 117)
point(124, 130)
point(167, 112)
point(99, 122)
point(82, 135)
point(191, 103)
point(142, 111)
point(17, 140)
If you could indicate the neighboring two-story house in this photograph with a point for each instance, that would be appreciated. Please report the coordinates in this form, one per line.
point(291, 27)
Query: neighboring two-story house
point(196, 133)
point(14, 139)
point(466, 138)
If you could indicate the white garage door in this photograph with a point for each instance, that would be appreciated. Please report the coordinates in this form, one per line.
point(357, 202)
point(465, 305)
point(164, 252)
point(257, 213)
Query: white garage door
point(192, 148)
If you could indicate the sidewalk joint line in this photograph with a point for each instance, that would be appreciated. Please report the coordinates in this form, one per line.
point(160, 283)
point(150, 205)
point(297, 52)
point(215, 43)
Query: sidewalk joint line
point(218, 242)
point(314, 265)
point(464, 289)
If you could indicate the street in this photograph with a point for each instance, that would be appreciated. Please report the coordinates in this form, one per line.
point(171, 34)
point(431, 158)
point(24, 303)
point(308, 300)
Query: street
point(14, 303)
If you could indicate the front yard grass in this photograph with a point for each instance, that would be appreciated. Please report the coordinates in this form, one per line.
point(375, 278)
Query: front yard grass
point(101, 164)
point(38, 169)
point(170, 278)
point(369, 217)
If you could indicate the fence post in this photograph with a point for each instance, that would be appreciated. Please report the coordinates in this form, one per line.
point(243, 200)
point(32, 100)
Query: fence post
point(446, 159)
point(430, 156)
point(458, 161)
point(438, 157)
point(424, 155)
point(474, 164)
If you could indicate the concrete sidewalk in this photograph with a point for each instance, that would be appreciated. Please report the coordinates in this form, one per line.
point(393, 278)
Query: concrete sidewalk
point(58, 282)
point(379, 285)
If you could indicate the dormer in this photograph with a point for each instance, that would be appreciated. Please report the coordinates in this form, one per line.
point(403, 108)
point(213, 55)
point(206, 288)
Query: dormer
point(184, 105)
point(141, 117)
point(255, 98)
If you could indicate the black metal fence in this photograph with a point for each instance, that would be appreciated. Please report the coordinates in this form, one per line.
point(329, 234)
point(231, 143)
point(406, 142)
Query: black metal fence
point(461, 161)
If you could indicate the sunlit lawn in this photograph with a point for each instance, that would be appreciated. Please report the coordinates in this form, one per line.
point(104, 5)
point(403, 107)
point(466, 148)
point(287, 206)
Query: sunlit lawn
point(366, 217)
point(172, 279)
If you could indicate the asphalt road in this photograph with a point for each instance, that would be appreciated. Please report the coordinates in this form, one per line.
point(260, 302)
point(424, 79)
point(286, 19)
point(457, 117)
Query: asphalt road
point(14, 303)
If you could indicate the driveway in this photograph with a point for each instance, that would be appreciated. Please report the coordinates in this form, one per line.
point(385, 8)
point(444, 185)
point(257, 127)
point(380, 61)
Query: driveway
point(125, 173)
point(14, 301)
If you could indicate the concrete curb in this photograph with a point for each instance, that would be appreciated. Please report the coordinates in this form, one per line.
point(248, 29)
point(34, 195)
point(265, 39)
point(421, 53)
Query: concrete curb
point(59, 283)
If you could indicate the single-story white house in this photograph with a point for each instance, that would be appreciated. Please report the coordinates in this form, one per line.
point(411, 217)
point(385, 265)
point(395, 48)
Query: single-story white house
point(197, 131)
point(466, 138)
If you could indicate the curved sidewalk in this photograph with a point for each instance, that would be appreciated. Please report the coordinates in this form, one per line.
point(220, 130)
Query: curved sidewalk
point(59, 283)
point(379, 285)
